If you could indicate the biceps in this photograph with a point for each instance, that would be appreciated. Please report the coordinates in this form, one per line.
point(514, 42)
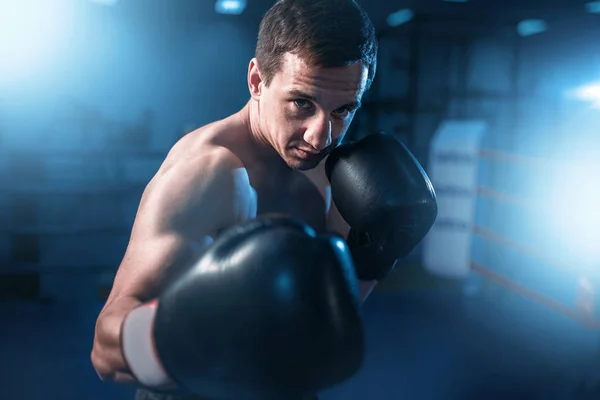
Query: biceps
point(148, 263)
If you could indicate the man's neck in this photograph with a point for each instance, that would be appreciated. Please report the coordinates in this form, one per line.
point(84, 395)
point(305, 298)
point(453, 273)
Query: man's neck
point(259, 142)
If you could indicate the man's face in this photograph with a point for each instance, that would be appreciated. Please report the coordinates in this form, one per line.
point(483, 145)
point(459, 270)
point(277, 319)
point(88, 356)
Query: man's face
point(306, 110)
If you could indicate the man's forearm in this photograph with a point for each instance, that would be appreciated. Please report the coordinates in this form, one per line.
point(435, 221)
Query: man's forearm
point(106, 354)
point(365, 288)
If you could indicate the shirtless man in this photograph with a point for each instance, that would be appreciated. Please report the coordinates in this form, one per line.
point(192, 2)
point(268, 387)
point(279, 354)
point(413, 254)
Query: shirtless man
point(203, 304)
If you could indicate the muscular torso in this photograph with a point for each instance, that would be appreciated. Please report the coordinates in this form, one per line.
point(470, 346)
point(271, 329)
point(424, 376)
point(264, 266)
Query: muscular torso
point(291, 193)
point(279, 189)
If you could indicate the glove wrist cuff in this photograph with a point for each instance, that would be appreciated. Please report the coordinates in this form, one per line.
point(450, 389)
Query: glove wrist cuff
point(138, 349)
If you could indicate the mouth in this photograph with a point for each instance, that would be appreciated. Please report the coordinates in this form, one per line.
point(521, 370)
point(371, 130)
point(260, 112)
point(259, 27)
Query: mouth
point(306, 154)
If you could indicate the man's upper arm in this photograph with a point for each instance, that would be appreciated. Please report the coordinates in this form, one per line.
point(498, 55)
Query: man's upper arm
point(178, 212)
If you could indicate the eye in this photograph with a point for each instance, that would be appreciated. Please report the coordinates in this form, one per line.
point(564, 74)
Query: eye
point(342, 112)
point(302, 104)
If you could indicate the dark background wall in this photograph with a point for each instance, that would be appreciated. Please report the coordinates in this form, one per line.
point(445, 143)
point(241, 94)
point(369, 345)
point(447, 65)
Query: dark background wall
point(88, 113)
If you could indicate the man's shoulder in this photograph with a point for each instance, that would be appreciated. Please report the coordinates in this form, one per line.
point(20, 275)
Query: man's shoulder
point(200, 151)
point(208, 164)
point(208, 174)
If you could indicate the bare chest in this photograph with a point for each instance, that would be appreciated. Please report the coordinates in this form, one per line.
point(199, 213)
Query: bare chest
point(292, 194)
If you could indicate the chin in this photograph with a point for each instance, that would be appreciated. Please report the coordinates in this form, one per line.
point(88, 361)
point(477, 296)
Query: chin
point(301, 165)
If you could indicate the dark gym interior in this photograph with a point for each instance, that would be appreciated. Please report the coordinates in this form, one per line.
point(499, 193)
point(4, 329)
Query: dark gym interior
point(499, 100)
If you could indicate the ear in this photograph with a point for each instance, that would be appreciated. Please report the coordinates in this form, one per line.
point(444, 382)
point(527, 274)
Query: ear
point(255, 83)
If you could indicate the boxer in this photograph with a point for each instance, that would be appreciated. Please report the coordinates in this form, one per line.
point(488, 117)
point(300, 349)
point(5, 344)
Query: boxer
point(262, 306)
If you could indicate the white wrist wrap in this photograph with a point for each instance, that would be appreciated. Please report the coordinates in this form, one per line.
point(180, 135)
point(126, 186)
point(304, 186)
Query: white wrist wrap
point(137, 344)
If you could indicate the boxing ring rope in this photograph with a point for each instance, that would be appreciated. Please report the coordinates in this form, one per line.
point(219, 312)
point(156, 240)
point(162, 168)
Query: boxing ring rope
point(583, 311)
point(526, 250)
point(535, 296)
point(504, 157)
point(483, 191)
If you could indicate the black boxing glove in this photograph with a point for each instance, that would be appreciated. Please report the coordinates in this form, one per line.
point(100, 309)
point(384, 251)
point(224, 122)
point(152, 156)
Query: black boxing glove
point(270, 311)
point(383, 193)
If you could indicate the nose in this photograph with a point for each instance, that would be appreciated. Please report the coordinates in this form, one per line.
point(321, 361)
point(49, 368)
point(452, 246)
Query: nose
point(318, 134)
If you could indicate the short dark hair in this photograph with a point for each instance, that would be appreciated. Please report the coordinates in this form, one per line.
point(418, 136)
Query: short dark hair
point(326, 33)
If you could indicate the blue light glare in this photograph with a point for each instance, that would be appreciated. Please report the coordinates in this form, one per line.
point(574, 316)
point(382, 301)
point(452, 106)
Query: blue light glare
point(593, 7)
point(400, 17)
point(32, 34)
point(233, 7)
point(530, 27)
